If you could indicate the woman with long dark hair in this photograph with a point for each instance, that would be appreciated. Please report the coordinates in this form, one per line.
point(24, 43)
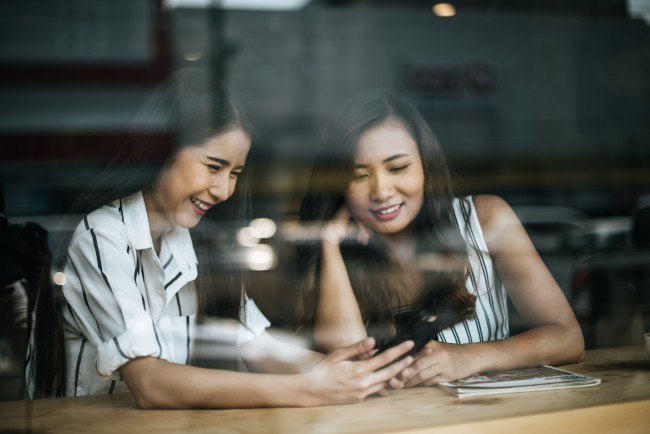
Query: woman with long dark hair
point(126, 317)
point(395, 233)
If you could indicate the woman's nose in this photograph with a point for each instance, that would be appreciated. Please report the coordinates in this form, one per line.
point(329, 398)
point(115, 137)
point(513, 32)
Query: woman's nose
point(220, 189)
point(382, 189)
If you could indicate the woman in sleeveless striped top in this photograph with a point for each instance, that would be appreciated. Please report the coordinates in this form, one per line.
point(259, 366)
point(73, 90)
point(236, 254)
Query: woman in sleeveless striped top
point(394, 229)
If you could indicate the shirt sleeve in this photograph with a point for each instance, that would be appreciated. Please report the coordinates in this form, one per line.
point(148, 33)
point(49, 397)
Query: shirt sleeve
point(254, 321)
point(106, 304)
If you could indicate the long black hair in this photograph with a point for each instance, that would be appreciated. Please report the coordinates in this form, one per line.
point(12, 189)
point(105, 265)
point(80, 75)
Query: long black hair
point(198, 110)
point(375, 275)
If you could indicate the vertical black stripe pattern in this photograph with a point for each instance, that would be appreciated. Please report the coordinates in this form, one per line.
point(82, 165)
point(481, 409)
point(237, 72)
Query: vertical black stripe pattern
point(187, 328)
point(99, 259)
point(178, 303)
point(141, 268)
point(84, 293)
point(121, 209)
point(483, 280)
point(137, 268)
point(486, 276)
point(157, 338)
point(471, 278)
point(79, 357)
point(119, 349)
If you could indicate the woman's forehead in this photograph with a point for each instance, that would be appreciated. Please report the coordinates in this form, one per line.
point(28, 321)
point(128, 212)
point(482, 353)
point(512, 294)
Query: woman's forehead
point(385, 140)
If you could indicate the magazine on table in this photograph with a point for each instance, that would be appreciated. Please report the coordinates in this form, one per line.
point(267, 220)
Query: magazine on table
point(532, 379)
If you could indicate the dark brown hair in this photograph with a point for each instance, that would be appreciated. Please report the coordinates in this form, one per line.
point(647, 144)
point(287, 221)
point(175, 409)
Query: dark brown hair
point(376, 277)
point(199, 110)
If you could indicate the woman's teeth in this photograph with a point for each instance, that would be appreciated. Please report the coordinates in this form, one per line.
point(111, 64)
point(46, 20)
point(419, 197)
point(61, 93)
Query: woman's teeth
point(389, 210)
point(199, 204)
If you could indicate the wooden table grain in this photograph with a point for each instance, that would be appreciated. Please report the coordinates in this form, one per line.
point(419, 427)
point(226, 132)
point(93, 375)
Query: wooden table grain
point(620, 404)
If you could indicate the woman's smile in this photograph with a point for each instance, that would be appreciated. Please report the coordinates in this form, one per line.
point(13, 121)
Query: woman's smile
point(200, 206)
point(387, 188)
point(387, 213)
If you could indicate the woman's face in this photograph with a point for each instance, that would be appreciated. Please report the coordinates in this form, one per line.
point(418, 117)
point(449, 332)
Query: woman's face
point(387, 190)
point(198, 178)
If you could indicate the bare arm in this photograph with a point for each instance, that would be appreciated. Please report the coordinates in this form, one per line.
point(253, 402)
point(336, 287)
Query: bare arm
point(158, 384)
point(338, 319)
point(554, 335)
point(267, 354)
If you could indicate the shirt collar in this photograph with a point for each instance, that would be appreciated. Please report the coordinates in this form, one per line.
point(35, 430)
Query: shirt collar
point(137, 226)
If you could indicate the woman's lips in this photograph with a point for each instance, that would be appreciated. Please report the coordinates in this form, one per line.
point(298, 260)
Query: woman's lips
point(199, 206)
point(387, 213)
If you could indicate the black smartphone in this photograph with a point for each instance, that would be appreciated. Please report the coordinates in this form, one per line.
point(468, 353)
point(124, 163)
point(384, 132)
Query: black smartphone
point(422, 326)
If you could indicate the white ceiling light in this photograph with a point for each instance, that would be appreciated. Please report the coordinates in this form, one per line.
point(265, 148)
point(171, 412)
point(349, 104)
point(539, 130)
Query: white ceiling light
point(238, 4)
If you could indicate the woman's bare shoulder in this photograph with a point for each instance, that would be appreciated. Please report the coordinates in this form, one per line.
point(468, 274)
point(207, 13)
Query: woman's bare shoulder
point(491, 208)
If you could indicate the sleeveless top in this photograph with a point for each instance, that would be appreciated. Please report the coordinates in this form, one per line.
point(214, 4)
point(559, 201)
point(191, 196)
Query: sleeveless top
point(491, 320)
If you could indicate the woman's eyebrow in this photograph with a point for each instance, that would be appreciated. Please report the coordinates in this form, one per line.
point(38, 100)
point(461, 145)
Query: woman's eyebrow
point(224, 163)
point(385, 160)
point(394, 157)
point(219, 160)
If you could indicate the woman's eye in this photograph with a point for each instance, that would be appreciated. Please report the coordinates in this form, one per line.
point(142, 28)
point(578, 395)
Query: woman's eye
point(399, 169)
point(213, 168)
point(359, 176)
point(235, 175)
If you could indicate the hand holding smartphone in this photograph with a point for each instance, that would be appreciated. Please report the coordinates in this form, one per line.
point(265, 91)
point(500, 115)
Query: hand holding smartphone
point(423, 326)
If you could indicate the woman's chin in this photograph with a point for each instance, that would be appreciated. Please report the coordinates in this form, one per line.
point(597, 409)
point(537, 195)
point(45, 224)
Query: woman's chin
point(188, 222)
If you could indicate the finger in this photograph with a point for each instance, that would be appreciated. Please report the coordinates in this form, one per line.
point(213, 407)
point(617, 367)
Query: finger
point(425, 351)
point(389, 372)
point(396, 383)
point(364, 234)
point(377, 388)
point(406, 374)
point(432, 381)
point(390, 355)
point(421, 364)
point(422, 367)
point(360, 348)
point(416, 381)
point(424, 378)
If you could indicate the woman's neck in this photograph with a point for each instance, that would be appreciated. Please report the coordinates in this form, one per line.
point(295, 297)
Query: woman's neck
point(402, 245)
point(158, 225)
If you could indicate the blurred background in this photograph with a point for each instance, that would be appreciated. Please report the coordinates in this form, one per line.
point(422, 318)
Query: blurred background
point(544, 102)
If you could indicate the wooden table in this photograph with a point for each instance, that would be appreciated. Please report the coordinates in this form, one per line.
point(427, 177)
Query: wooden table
point(621, 404)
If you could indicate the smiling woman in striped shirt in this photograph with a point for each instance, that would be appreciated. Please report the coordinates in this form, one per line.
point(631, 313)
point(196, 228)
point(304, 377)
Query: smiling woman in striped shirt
point(395, 230)
point(134, 290)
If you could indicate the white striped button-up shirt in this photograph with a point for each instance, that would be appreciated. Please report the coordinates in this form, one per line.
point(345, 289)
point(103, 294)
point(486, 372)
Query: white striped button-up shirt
point(125, 301)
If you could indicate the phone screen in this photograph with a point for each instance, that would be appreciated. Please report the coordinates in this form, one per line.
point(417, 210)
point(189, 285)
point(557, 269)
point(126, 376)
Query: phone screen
point(423, 326)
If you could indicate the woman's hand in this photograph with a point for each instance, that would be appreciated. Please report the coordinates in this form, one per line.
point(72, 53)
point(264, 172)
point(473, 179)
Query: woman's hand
point(340, 380)
point(438, 363)
point(339, 227)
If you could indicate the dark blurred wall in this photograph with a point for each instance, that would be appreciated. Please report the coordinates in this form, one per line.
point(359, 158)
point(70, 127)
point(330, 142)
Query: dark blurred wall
point(542, 106)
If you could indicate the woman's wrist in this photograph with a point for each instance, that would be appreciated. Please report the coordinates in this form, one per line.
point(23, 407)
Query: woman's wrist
point(300, 391)
point(333, 233)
